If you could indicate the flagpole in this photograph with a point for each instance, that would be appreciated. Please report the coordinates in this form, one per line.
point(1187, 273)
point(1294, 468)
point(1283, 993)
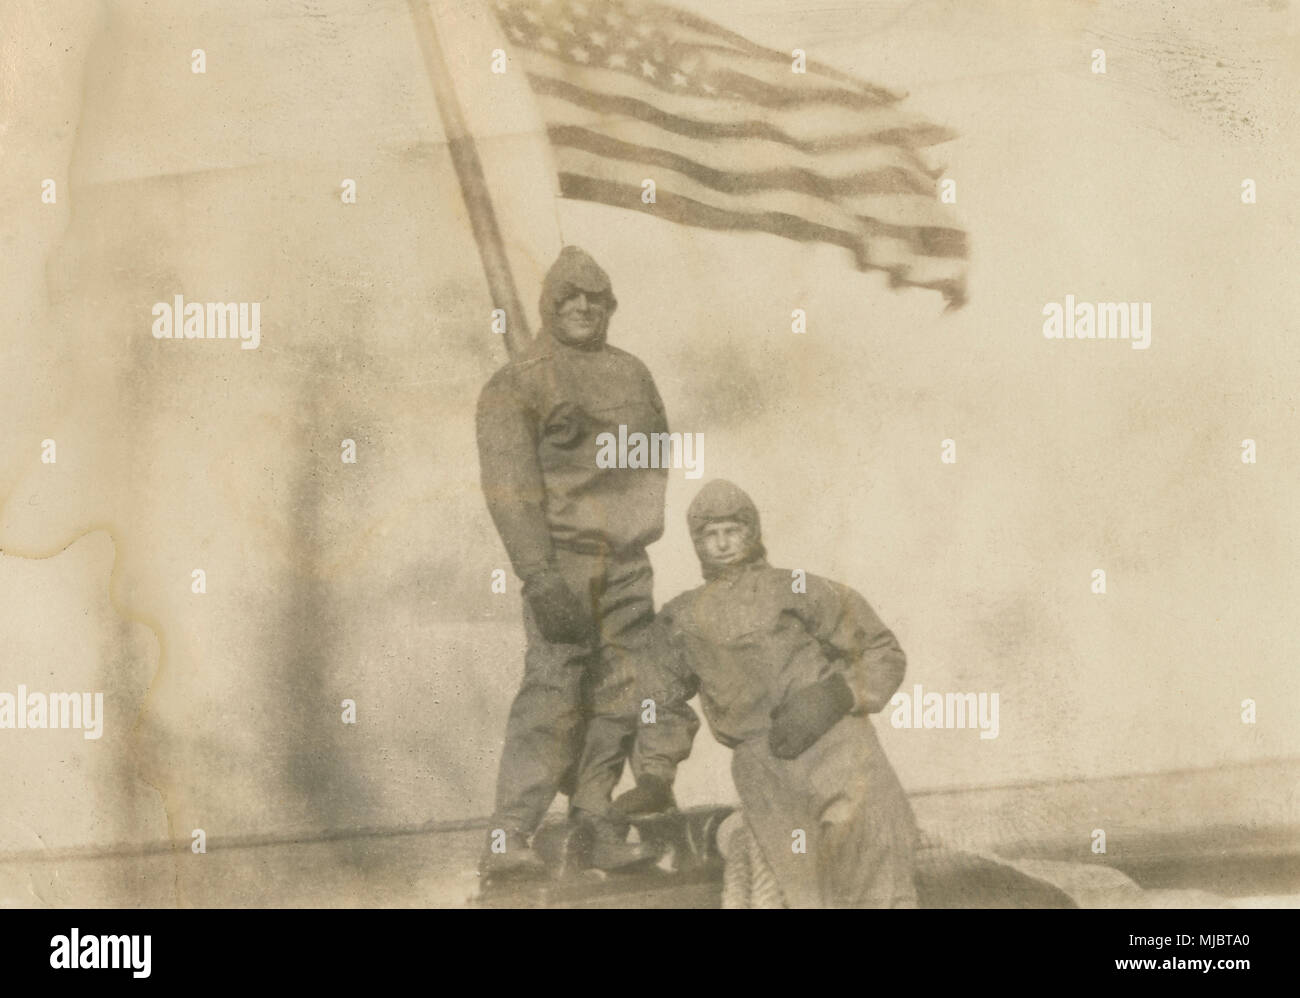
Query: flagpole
point(473, 184)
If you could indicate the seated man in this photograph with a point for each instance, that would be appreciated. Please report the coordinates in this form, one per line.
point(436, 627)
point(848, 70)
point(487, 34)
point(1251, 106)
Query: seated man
point(787, 678)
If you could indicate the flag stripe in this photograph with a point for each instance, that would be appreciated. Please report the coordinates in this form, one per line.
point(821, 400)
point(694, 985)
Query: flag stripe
point(715, 119)
point(744, 155)
point(768, 93)
point(896, 231)
point(742, 44)
point(673, 172)
point(697, 34)
point(841, 190)
point(733, 138)
point(924, 240)
point(816, 210)
point(743, 87)
point(683, 210)
point(773, 74)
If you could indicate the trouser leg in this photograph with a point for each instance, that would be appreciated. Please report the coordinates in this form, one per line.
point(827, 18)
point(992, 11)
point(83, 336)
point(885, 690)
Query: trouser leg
point(624, 611)
point(866, 860)
point(842, 799)
point(867, 843)
point(608, 741)
point(544, 733)
point(665, 725)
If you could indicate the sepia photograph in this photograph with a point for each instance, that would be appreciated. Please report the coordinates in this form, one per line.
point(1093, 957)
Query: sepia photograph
point(550, 454)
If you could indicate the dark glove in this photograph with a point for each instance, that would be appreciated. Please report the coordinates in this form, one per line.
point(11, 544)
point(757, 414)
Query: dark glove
point(561, 616)
point(807, 714)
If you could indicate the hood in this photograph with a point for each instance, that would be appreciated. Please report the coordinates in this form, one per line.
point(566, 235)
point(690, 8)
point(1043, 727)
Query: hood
point(574, 270)
point(722, 500)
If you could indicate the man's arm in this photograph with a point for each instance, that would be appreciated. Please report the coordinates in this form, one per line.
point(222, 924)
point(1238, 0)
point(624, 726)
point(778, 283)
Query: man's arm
point(662, 746)
point(670, 648)
point(853, 635)
point(510, 475)
point(516, 498)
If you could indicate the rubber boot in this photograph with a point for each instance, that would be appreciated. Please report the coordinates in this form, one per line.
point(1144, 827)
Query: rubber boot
point(651, 796)
point(511, 858)
point(610, 849)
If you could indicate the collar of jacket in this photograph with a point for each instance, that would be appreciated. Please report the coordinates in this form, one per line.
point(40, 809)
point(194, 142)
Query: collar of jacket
point(730, 573)
point(595, 344)
point(547, 344)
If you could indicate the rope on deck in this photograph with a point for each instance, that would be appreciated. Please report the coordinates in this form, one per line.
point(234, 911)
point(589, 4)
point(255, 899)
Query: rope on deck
point(747, 879)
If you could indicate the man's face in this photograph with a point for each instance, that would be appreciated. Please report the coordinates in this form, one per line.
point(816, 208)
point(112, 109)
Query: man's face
point(725, 541)
point(580, 316)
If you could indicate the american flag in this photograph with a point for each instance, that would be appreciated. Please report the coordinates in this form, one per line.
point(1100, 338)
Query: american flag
point(732, 137)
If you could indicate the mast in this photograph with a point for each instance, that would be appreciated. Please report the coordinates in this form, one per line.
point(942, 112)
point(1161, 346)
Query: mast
point(473, 184)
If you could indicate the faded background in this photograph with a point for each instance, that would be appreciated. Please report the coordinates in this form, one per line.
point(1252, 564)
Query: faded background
point(371, 581)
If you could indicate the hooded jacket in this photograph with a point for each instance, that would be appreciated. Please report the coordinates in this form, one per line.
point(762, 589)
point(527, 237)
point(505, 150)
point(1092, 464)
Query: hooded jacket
point(537, 424)
point(746, 640)
point(749, 640)
point(720, 500)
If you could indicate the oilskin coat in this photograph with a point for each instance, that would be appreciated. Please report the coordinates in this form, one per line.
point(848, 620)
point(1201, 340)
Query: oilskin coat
point(574, 720)
point(538, 420)
point(746, 640)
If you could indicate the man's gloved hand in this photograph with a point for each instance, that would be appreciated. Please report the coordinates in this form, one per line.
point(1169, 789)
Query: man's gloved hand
point(561, 615)
point(807, 714)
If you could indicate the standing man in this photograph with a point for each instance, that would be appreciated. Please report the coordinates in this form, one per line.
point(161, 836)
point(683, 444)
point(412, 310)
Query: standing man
point(576, 535)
